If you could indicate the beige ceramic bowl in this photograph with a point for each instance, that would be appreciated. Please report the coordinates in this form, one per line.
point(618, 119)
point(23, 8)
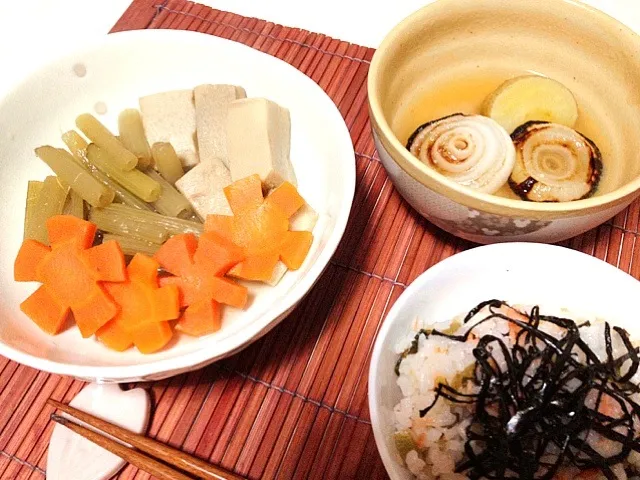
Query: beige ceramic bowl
point(592, 54)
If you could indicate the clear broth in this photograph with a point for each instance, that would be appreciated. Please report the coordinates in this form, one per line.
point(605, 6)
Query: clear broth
point(466, 94)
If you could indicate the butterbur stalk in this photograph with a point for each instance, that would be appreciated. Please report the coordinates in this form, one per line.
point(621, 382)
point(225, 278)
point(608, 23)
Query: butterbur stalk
point(75, 176)
point(136, 182)
point(171, 202)
point(78, 147)
point(167, 162)
point(110, 221)
point(48, 203)
point(95, 131)
point(130, 245)
point(143, 225)
point(74, 205)
point(132, 136)
point(34, 188)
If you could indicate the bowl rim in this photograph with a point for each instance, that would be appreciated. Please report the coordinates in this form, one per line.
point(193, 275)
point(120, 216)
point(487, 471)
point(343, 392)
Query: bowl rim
point(462, 194)
point(456, 261)
point(163, 368)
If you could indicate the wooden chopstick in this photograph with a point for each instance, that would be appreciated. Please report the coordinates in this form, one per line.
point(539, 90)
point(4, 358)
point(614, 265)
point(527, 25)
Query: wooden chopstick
point(148, 463)
point(140, 460)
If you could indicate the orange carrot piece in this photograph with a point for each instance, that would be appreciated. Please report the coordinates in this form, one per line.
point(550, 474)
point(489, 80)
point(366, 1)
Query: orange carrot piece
point(295, 248)
point(220, 224)
point(45, 311)
point(107, 261)
point(97, 309)
point(200, 319)
point(71, 275)
point(179, 284)
point(68, 278)
point(217, 254)
point(176, 254)
point(260, 228)
point(29, 256)
point(143, 269)
point(167, 302)
point(257, 267)
point(152, 337)
point(201, 286)
point(229, 292)
point(195, 286)
point(66, 227)
point(140, 299)
point(114, 336)
point(286, 198)
point(244, 193)
point(133, 300)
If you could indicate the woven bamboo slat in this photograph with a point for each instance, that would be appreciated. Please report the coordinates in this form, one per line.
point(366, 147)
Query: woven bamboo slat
point(294, 404)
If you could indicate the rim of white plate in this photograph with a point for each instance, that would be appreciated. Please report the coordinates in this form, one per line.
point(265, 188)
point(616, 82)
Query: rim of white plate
point(262, 324)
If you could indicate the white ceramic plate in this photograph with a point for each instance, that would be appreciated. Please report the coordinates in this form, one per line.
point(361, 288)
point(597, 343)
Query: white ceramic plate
point(532, 274)
point(120, 68)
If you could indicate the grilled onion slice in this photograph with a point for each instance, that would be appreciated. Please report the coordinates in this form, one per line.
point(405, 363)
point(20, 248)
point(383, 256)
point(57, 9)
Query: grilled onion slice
point(554, 163)
point(471, 150)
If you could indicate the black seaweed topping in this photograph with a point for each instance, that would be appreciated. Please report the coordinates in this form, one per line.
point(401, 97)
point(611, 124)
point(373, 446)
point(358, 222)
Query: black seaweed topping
point(540, 396)
point(411, 350)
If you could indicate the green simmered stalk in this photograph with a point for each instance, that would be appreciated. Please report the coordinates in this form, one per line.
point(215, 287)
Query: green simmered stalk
point(74, 205)
point(33, 190)
point(78, 147)
point(171, 202)
point(131, 246)
point(132, 136)
point(128, 225)
point(140, 224)
point(49, 202)
point(167, 162)
point(76, 144)
point(76, 176)
point(136, 182)
point(122, 158)
point(122, 194)
point(173, 226)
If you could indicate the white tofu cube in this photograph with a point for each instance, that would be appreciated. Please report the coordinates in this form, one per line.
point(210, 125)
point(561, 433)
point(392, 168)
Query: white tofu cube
point(259, 140)
point(171, 117)
point(212, 105)
point(203, 186)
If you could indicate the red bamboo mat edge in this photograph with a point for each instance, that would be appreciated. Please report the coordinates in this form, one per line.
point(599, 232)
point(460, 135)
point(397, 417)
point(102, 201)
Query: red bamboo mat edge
point(293, 405)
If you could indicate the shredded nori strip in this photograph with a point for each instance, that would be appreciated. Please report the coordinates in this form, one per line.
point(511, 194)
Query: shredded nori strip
point(543, 400)
point(412, 349)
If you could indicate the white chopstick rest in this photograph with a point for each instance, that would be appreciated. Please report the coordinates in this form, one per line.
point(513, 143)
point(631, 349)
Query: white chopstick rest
point(71, 456)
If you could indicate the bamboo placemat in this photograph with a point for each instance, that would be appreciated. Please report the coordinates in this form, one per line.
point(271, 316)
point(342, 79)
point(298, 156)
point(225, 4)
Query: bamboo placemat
point(294, 404)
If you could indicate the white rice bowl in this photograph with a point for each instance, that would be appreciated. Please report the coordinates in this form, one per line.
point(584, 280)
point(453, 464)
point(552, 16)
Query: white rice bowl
point(550, 276)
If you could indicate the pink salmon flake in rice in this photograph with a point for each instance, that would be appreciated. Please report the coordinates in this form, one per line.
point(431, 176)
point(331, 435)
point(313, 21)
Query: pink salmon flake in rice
point(511, 393)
